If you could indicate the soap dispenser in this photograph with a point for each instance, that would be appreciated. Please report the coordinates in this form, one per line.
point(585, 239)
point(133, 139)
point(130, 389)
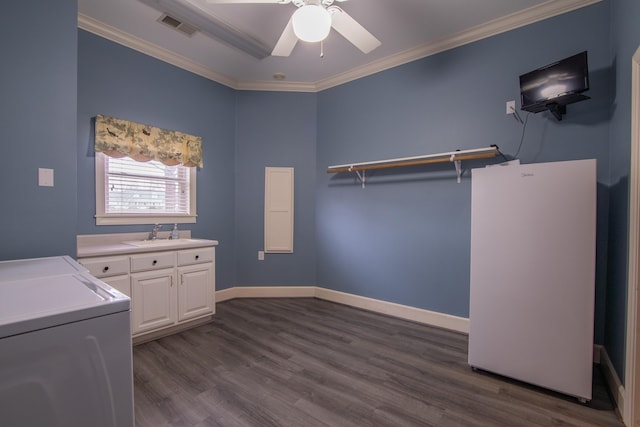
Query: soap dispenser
point(174, 233)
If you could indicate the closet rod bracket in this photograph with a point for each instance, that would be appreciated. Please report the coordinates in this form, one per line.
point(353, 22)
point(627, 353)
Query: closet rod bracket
point(458, 165)
point(361, 176)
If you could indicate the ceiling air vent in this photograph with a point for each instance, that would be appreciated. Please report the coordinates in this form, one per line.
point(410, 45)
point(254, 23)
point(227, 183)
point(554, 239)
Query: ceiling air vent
point(176, 24)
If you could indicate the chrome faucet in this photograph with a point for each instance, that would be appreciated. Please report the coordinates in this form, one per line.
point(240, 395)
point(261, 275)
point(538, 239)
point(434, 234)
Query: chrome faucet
point(154, 233)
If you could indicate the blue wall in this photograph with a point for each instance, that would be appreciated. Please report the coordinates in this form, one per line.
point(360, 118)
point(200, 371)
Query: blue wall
point(625, 39)
point(405, 238)
point(121, 82)
point(38, 110)
point(275, 129)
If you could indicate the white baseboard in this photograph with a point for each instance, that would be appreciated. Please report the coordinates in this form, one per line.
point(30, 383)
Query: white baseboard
point(612, 379)
point(597, 352)
point(275, 291)
point(265, 292)
point(225, 294)
point(446, 321)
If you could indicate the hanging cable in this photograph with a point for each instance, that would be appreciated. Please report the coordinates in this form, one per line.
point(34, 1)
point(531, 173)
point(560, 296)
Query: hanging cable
point(524, 127)
point(516, 116)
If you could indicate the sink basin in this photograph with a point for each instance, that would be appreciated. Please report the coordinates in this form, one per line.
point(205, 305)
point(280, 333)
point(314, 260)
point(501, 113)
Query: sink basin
point(158, 242)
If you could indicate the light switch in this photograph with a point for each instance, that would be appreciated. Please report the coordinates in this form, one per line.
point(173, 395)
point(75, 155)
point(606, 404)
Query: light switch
point(260, 255)
point(45, 177)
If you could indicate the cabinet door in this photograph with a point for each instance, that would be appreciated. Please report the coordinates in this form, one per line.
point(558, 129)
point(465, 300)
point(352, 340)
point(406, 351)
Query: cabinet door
point(121, 283)
point(195, 296)
point(278, 210)
point(154, 300)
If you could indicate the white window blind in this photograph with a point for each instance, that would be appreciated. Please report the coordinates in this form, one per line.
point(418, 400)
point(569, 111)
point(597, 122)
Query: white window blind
point(150, 190)
point(142, 187)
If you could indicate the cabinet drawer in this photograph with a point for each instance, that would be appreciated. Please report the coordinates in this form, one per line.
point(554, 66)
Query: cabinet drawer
point(108, 266)
point(195, 256)
point(153, 261)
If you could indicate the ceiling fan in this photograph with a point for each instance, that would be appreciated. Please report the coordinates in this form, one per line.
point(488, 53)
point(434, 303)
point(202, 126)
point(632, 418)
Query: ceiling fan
point(312, 22)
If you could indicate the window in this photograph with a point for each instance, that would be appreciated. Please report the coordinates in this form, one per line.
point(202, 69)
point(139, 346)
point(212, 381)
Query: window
point(131, 192)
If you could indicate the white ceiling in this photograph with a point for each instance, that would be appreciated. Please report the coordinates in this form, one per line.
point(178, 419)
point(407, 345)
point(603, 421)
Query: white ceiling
point(408, 30)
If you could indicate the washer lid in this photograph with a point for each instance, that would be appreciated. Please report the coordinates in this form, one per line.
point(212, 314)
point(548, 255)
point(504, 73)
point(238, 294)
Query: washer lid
point(44, 302)
point(38, 267)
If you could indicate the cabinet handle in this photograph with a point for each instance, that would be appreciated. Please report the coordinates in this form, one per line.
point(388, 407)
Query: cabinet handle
point(197, 257)
point(171, 281)
point(182, 279)
point(155, 261)
point(105, 269)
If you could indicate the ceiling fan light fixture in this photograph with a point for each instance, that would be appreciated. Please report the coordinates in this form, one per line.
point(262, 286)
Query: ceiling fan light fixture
point(311, 23)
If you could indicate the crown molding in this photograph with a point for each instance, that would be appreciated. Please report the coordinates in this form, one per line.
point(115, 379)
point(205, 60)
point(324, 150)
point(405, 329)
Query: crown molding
point(515, 20)
point(111, 33)
point(264, 85)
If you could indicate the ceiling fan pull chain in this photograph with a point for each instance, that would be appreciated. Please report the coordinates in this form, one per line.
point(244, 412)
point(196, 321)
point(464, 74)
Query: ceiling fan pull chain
point(321, 48)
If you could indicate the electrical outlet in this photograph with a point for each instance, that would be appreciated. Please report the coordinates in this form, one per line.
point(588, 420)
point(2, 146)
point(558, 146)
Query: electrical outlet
point(511, 107)
point(260, 255)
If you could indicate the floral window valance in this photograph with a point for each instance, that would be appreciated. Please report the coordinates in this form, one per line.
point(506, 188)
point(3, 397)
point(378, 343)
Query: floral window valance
point(122, 138)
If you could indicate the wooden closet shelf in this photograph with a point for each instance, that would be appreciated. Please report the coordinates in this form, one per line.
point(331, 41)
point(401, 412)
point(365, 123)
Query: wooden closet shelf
point(453, 156)
point(404, 163)
point(479, 153)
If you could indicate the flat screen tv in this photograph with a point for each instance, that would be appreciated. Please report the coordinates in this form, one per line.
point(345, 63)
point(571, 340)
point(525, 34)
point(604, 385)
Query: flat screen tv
point(556, 85)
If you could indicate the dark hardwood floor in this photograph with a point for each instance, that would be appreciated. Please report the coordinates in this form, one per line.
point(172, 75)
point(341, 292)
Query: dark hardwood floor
point(308, 362)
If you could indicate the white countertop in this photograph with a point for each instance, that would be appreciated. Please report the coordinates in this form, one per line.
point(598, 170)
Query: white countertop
point(92, 245)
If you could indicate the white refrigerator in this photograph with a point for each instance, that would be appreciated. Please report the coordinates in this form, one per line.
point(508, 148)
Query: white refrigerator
point(533, 237)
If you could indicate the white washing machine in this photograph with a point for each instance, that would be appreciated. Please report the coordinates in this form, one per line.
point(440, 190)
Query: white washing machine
point(65, 347)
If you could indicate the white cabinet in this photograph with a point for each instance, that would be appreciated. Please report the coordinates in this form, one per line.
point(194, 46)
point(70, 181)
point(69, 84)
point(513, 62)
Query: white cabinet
point(153, 300)
point(121, 283)
point(278, 210)
point(195, 295)
point(114, 271)
point(153, 261)
point(167, 288)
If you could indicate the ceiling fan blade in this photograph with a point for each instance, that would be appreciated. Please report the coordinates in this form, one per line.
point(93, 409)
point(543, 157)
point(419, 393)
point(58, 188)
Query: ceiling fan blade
point(349, 28)
point(286, 42)
point(248, 1)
